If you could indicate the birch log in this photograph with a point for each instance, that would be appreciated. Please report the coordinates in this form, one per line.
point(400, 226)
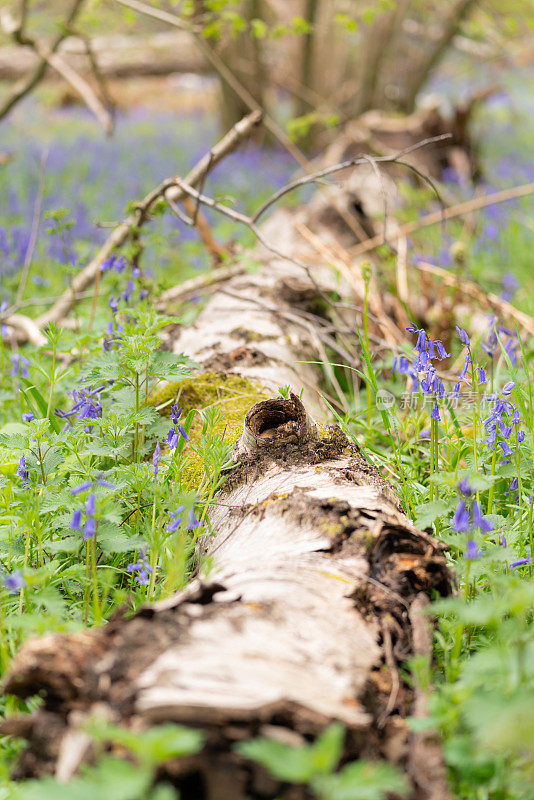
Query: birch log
point(306, 614)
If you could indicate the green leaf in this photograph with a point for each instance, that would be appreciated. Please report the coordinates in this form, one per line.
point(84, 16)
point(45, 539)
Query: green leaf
point(327, 749)
point(155, 745)
point(427, 513)
point(361, 780)
point(292, 764)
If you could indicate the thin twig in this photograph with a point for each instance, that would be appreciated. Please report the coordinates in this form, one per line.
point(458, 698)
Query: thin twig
point(448, 213)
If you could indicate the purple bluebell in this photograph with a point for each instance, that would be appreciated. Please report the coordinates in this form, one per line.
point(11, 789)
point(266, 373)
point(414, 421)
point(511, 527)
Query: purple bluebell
point(89, 530)
point(114, 304)
point(192, 521)
point(128, 292)
point(482, 376)
point(90, 504)
point(465, 366)
point(136, 273)
point(521, 562)
point(81, 488)
point(142, 567)
point(479, 521)
point(435, 412)
point(176, 519)
point(13, 582)
point(19, 366)
point(440, 350)
point(461, 518)
point(76, 520)
point(507, 388)
point(472, 551)
point(502, 540)
point(465, 488)
point(156, 458)
point(464, 338)
point(28, 417)
point(22, 472)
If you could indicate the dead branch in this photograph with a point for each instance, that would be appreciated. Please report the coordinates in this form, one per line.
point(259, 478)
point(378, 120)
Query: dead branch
point(16, 29)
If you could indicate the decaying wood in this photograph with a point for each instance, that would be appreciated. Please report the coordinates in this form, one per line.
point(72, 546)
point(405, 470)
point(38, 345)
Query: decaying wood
point(117, 56)
point(304, 613)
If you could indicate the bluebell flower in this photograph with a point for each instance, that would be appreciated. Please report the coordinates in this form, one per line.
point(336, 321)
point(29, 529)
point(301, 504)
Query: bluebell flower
point(22, 472)
point(28, 417)
point(472, 552)
point(76, 520)
point(142, 567)
point(465, 366)
point(176, 519)
point(435, 412)
point(81, 488)
point(192, 521)
point(507, 388)
point(90, 504)
point(19, 366)
point(482, 376)
point(505, 448)
point(114, 304)
point(465, 488)
point(89, 530)
point(156, 458)
point(136, 273)
point(464, 338)
point(441, 352)
point(502, 540)
point(13, 582)
point(127, 293)
point(461, 518)
point(143, 294)
point(521, 562)
point(479, 521)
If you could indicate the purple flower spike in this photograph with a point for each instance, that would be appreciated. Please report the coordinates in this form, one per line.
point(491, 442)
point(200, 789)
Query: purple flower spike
point(13, 582)
point(507, 388)
point(176, 519)
point(76, 520)
point(460, 520)
point(22, 472)
point(90, 504)
point(156, 458)
point(482, 376)
point(480, 522)
point(81, 488)
point(435, 413)
point(521, 562)
point(472, 552)
point(464, 338)
point(465, 488)
point(89, 530)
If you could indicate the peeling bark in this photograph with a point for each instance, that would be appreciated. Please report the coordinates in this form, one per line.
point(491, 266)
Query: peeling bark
point(305, 612)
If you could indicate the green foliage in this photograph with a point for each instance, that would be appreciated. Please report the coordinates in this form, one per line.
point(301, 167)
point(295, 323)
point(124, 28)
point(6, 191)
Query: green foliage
point(314, 764)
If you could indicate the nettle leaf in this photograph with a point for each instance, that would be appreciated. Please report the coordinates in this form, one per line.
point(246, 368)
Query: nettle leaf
point(292, 764)
point(361, 780)
point(165, 365)
point(113, 538)
point(103, 367)
point(70, 544)
point(111, 779)
point(155, 745)
point(427, 513)
point(13, 441)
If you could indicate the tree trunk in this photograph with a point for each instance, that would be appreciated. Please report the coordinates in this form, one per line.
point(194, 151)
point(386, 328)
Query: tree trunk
point(311, 605)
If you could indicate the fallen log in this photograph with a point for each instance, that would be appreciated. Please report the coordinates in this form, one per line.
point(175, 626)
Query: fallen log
point(311, 602)
point(116, 56)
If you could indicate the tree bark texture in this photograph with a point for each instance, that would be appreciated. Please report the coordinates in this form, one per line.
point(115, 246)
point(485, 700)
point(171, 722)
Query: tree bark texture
point(310, 605)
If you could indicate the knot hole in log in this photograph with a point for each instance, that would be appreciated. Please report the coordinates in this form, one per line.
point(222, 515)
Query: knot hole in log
point(276, 422)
